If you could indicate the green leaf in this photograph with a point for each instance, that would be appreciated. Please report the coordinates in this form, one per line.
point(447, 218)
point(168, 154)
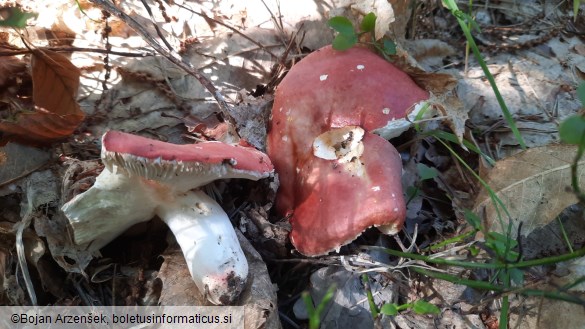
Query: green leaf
point(468, 19)
point(502, 244)
point(472, 219)
point(344, 42)
point(572, 130)
point(517, 276)
point(389, 47)
point(369, 23)
point(341, 25)
point(15, 17)
point(426, 172)
point(411, 192)
point(389, 309)
point(581, 92)
point(424, 307)
point(474, 250)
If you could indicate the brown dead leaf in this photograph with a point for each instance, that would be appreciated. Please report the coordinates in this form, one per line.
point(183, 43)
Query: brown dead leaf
point(56, 113)
point(535, 186)
point(9, 67)
point(17, 161)
point(443, 91)
point(454, 111)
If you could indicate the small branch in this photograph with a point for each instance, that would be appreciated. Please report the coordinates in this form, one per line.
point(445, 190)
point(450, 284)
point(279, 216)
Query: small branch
point(202, 14)
point(171, 55)
point(22, 51)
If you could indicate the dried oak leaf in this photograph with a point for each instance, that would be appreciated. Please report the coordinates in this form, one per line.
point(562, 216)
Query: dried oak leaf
point(534, 186)
point(56, 112)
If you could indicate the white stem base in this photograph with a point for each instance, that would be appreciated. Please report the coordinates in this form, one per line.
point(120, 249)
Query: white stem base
point(210, 245)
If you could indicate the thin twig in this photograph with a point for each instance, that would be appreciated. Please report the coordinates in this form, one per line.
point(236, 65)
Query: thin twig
point(158, 31)
point(202, 14)
point(171, 55)
point(22, 51)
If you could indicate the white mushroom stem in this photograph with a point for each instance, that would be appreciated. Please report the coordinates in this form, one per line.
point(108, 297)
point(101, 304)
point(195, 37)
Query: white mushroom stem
point(145, 177)
point(209, 243)
point(202, 229)
point(112, 205)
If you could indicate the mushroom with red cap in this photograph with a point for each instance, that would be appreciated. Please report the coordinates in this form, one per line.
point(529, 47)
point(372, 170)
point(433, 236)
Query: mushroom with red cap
point(145, 177)
point(338, 175)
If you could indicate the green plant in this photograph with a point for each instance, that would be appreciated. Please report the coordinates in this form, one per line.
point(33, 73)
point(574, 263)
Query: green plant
point(315, 312)
point(502, 254)
point(392, 309)
point(572, 131)
point(348, 36)
point(15, 17)
point(418, 306)
point(465, 22)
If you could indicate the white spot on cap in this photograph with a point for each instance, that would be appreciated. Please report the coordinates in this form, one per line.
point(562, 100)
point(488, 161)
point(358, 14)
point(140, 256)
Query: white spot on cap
point(360, 67)
point(323, 77)
point(298, 169)
point(395, 209)
point(386, 110)
point(284, 138)
point(393, 195)
point(376, 188)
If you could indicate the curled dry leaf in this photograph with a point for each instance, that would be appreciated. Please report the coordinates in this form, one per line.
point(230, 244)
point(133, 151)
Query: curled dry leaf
point(443, 89)
point(535, 186)
point(9, 67)
point(56, 113)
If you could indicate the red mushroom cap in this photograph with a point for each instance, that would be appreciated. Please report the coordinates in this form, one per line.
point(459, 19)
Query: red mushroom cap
point(326, 90)
point(335, 205)
point(168, 162)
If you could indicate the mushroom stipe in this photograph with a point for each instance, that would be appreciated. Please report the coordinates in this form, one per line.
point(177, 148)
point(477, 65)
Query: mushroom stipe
point(144, 177)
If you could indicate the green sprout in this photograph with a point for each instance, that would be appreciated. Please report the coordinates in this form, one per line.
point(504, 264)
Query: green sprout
point(348, 36)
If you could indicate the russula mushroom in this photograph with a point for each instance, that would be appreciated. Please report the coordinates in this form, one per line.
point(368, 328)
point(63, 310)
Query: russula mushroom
point(144, 177)
point(338, 174)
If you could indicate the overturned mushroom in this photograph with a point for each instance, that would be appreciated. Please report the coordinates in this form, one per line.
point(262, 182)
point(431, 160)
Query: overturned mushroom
point(145, 177)
point(337, 177)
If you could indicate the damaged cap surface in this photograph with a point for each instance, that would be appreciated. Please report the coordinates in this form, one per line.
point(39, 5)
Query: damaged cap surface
point(330, 90)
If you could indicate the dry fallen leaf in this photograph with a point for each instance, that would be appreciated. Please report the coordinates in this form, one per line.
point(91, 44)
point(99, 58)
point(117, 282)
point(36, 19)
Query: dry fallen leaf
point(56, 113)
point(9, 67)
point(535, 186)
point(17, 161)
point(456, 114)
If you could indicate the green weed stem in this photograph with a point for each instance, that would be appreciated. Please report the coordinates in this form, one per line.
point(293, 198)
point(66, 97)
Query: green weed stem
point(473, 265)
point(460, 16)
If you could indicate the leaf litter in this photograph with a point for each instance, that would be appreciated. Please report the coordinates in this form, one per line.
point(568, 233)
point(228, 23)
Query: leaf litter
point(234, 64)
